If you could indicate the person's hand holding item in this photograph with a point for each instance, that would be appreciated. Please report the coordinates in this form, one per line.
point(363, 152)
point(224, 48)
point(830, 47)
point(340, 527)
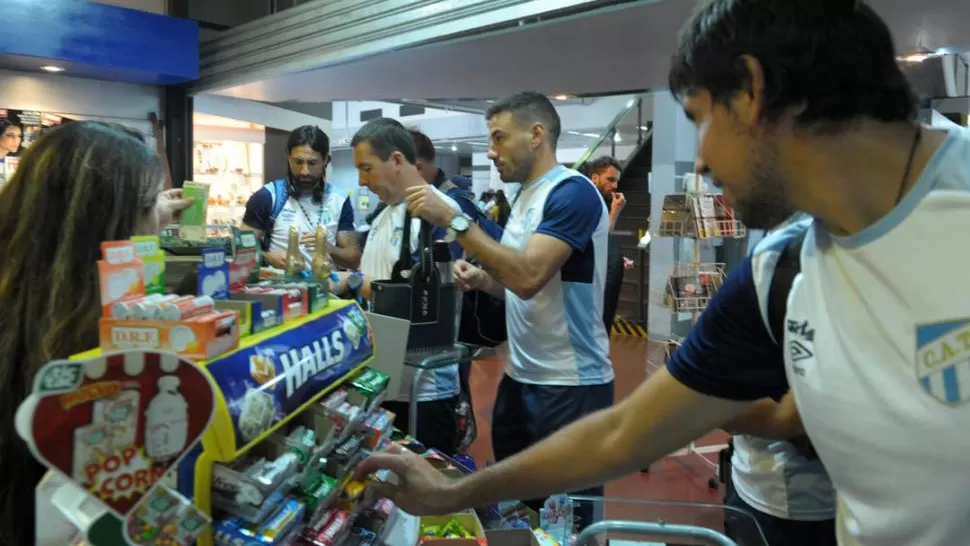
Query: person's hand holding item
point(170, 205)
point(309, 241)
point(276, 258)
point(425, 203)
point(619, 201)
point(468, 277)
point(416, 487)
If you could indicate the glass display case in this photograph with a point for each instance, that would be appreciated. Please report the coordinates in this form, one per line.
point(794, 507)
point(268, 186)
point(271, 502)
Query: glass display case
point(234, 171)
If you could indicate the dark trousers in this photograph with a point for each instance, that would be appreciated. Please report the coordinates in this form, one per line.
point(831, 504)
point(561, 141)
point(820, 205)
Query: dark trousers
point(437, 422)
point(776, 531)
point(525, 414)
point(613, 284)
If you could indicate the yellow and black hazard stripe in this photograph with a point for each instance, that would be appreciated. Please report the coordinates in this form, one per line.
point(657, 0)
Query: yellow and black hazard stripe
point(628, 328)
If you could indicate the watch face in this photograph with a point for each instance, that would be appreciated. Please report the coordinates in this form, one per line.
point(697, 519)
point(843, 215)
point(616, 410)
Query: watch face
point(460, 223)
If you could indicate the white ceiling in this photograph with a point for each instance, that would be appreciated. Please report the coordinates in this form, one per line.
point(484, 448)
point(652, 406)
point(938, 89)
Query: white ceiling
point(628, 48)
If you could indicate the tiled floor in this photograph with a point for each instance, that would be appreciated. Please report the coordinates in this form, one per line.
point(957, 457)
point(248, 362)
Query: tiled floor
point(671, 479)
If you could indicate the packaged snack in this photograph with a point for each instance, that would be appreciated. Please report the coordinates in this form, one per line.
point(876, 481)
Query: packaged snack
point(213, 274)
point(377, 427)
point(334, 400)
point(147, 523)
point(149, 249)
point(121, 274)
point(190, 523)
point(272, 530)
point(319, 492)
point(354, 489)
point(192, 223)
point(368, 389)
point(278, 525)
point(332, 533)
point(184, 309)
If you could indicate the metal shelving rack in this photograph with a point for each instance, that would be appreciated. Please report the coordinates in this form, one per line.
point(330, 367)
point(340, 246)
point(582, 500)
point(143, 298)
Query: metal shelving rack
point(695, 227)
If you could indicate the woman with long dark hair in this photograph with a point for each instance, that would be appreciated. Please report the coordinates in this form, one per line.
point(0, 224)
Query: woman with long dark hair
point(78, 185)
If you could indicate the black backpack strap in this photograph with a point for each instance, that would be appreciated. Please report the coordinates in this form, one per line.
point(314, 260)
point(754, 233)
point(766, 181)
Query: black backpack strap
point(788, 267)
point(405, 261)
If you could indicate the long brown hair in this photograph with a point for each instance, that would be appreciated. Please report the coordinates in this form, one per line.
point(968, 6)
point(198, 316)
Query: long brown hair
point(78, 185)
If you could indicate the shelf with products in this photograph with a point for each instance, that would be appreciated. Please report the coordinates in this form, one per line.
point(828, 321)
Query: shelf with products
point(697, 215)
point(233, 171)
point(190, 395)
point(690, 286)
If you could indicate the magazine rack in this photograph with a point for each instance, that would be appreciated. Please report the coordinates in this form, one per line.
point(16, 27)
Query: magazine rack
point(697, 215)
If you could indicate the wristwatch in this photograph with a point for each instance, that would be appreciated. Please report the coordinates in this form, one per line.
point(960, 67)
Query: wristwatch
point(354, 281)
point(460, 223)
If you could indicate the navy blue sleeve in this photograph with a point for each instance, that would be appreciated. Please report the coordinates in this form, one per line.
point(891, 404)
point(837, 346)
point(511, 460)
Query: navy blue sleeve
point(346, 221)
point(572, 211)
point(493, 229)
point(259, 208)
point(469, 207)
point(729, 353)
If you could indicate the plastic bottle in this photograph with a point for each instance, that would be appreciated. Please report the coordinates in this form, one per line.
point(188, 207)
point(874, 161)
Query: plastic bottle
point(166, 420)
point(322, 263)
point(295, 263)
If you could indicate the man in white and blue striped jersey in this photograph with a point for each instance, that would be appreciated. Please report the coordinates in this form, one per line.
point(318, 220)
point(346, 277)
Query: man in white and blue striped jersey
point(801, 105)
point(550, 268)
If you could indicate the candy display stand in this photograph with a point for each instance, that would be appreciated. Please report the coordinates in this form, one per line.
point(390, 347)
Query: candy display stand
point(140, 432)
point(116, 427)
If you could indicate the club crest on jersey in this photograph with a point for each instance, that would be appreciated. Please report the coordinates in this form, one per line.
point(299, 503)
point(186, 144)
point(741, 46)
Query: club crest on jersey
point(943, 360)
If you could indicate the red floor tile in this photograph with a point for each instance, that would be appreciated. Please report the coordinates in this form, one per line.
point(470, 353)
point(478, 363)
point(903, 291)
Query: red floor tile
point(683, 479)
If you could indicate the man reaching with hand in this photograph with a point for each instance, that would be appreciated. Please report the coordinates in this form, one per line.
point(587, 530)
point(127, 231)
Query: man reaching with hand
point(802, 106)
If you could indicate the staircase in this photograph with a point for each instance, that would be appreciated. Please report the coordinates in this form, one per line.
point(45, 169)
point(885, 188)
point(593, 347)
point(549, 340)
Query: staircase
point(634, 183)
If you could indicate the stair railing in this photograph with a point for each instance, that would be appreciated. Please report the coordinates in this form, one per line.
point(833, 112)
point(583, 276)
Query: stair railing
point(633, 106)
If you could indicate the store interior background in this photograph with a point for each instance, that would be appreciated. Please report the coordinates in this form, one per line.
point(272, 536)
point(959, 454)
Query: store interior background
point(616, 55)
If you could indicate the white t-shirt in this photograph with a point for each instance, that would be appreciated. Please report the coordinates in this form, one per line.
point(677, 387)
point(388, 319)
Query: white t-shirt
point(877, 354)
point(382, 251)
point(335, 213)
point(557, 337)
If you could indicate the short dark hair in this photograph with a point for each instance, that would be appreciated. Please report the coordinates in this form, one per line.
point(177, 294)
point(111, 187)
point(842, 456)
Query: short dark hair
point(386, 136)
point(528, 107)
point(834, 60)
point(423, 147)
point(309, 135)
point(600, 164)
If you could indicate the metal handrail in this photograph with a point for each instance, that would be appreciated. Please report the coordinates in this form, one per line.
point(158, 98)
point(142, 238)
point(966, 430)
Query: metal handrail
point(666, 530)
point(610, 132)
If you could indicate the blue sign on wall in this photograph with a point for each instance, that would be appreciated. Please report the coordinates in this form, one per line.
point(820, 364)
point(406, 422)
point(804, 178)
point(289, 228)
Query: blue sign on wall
point(99, 41)
point(268, 382)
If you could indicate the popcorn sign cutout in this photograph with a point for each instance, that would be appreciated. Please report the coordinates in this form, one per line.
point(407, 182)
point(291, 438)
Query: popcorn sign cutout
point(116, 423)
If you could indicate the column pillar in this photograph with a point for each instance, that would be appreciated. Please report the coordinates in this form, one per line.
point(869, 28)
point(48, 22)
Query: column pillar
point(674, 151)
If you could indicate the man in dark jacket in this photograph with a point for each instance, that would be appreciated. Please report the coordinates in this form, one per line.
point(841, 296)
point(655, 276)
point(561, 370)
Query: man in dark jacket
point(604, 171)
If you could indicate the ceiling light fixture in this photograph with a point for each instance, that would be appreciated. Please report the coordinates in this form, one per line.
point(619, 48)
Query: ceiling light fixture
point(454, 148)
point(51, 68)
point(561, 97)
point(914, 58)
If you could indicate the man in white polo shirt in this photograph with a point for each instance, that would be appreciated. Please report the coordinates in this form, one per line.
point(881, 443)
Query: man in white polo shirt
point(385, 160)
point(800, 105)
